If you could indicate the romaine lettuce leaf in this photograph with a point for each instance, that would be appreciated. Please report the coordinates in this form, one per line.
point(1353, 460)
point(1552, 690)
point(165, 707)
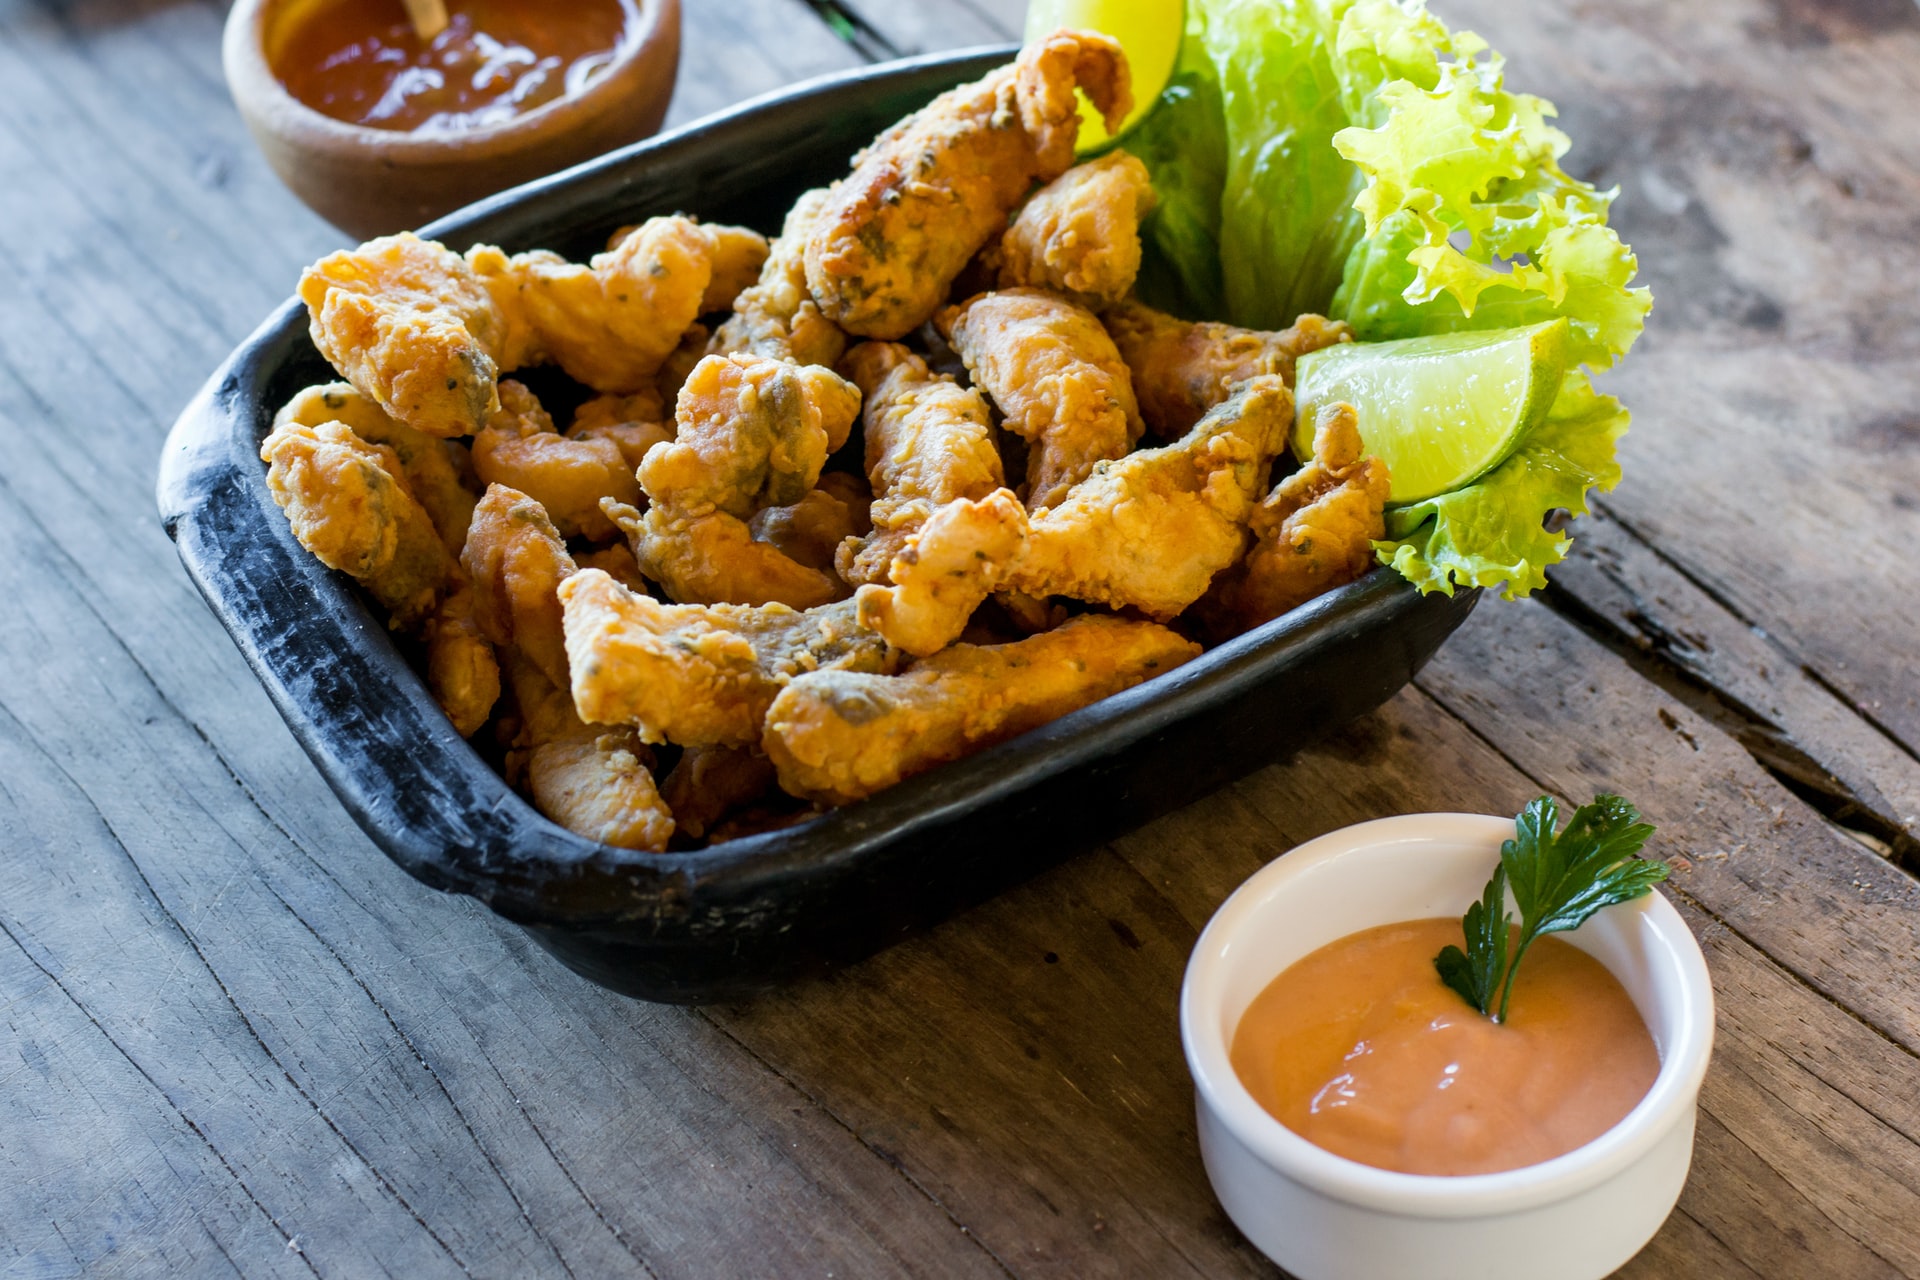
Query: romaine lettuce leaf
point(1355, 158)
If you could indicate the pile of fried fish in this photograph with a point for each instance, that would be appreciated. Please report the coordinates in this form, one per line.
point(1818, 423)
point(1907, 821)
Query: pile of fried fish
point(675, 585)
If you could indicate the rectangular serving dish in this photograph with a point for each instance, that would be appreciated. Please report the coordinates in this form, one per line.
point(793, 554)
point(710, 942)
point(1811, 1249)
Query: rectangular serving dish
point(735, 918)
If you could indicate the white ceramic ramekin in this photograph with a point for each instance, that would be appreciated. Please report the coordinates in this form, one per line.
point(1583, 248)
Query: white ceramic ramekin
point(1324, 1217)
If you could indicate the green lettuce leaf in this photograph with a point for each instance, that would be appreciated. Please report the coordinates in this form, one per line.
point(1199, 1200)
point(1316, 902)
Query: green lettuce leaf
point(1357, 159)
point(1473, 536)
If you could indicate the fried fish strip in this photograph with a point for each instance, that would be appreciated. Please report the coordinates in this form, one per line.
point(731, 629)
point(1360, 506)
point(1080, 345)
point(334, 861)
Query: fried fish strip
point(429, 467)
point(633, 423)
point(409, 324)
point(1080, 234)
point(698, 675)
point(1314, 532)
point(928, 193)
point(1056, 376)
point(837, 736)
point(611, 322)
point(777, 317)
point(1150, 530)
point(929, 441)
point(811, 530)
point(567, 475)
point(753, 432)
point(462, 670)
point(348, 505)
point(711, 782)
point(592, 780)
point(1181, 370)
point(944, 572)
point(712, 558)
point(737, 255)
point(516, 562)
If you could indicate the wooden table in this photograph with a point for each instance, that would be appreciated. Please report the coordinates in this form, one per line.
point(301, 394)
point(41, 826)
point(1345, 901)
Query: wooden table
point(234, 1038)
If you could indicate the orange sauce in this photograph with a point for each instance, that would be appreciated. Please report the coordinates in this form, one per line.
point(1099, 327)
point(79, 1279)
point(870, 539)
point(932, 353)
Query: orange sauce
point(360, 60)
point(1360, 1049)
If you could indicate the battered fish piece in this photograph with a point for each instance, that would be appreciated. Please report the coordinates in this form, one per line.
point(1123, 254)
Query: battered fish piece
point(516, 561)
point(1314, 532)
point(927, 194)
point(694, 347)
point(633, 423)
point(753, 432)
point(594, 781)
point(348, 505)
point(429, 468)
point(1150, 530)
point(712, 558)
point(1080, 234)
point(410, 325)
point(945, 571)
point(462, 670)
point(838, 736)
point(1057, 377)
point(1181, 370)
point(777, 317)
point(699, 675)
point(711, 782)
point(610, 323)
point(567, 475)
point(616, 560)
point(737, 255)
point(811, 530)
point(929, 441)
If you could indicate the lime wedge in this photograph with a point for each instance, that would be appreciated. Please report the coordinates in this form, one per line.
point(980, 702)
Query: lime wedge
point(1149, 31)
point(1442, 410)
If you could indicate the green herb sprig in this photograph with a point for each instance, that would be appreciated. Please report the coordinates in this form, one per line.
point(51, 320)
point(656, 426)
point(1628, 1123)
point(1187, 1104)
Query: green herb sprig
point(1559, 879)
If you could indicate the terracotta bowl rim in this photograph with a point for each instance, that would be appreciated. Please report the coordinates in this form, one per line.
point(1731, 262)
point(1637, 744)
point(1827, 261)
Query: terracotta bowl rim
point(259, 91)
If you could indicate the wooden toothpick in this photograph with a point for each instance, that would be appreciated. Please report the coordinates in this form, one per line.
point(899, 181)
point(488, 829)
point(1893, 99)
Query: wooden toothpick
point(429, 17)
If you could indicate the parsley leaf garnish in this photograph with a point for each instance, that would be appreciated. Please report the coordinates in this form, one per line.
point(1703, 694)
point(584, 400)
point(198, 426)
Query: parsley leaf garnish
point(1558, 881)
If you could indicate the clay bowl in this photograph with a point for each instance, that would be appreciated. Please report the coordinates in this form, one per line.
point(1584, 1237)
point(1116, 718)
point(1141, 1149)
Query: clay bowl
point(370, 182)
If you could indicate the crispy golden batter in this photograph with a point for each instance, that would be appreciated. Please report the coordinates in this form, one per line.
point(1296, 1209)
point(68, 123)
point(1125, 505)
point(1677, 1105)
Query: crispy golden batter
point(430, 468)
point(698, 675)
point(1314, 532)
point(612, 411)
point(1150, 530)
point(777, 317)
point(409, 324)
point(811, 530)
point(945, 571)
point(712, 558)
point(616, 560)
point(738, 253)
point(929, 441)
point(753, 433)
point(516, 562)
point(929, 192)
point(1080, 234)
point(711, 782)
point(1181, 370)
point(612, 322)
point(1056, 376)
point(462, 670)
point(567, 475)
point(348, 506)
point(836, 736)
point(693, 348)
point(591, 780)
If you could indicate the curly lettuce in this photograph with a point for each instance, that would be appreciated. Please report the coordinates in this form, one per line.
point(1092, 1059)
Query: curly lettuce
point(1357, 159)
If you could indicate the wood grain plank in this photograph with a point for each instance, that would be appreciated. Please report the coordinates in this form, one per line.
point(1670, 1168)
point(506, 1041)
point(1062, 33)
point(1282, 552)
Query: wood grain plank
point(1618, 585)
point(926, 28)
point(1578, 720)
point(735, 49)
point(1771, 194)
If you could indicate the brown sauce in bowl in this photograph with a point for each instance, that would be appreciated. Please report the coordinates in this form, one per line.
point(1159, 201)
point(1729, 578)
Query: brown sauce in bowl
point(1361, 1049)
point(361, 62)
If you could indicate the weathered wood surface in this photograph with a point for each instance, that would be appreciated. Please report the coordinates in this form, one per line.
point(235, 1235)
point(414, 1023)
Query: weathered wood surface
point(234, 1039)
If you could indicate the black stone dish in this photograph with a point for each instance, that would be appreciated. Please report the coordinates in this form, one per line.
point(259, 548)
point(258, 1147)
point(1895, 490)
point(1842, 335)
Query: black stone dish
point(739, 917)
